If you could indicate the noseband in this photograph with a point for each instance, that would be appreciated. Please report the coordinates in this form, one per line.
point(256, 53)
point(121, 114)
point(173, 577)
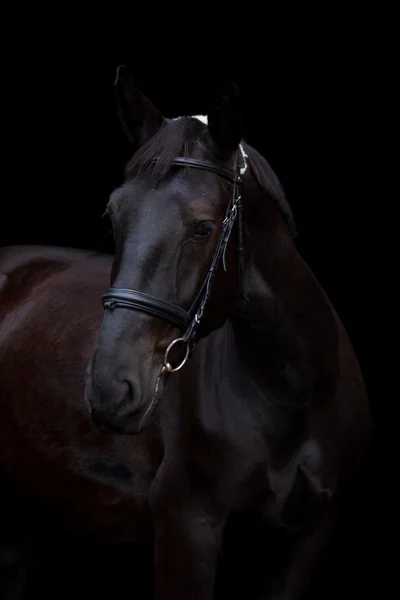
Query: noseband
point(189, 321)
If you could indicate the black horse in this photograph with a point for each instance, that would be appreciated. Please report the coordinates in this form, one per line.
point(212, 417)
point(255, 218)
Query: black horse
point(217, 348)
point(269, 414)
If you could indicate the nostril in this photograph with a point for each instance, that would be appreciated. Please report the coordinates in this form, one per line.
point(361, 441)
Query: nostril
point(130, 392)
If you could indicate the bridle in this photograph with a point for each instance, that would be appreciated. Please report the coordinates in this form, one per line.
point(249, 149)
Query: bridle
point(189, 321)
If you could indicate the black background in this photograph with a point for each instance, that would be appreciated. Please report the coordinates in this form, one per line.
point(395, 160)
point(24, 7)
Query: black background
point(313, 110)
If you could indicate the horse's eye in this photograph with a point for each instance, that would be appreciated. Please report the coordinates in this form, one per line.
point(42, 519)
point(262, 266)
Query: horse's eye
point(204, 229)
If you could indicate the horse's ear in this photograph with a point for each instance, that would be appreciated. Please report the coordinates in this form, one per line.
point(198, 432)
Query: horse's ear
point(139, 118)
point(224, 117)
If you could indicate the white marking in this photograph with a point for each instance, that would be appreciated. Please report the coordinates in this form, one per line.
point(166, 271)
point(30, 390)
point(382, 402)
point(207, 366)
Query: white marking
point(202, 118)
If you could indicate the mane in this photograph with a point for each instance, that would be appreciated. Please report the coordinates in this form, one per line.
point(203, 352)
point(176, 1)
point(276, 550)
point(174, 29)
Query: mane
point(270, 184)
point(178, 137)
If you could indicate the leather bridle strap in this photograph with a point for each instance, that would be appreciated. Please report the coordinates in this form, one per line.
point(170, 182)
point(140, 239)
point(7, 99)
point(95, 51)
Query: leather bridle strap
point(139, 300)
point(204, 166)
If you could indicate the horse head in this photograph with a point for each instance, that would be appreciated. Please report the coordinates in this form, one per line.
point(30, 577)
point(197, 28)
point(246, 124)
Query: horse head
point(180, 247)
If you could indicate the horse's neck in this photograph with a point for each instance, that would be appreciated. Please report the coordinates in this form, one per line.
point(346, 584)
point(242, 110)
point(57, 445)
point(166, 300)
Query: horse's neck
point(286, 340)
point(265, 368)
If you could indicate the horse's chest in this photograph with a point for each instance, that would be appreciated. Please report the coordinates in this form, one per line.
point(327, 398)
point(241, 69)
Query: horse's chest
point(294, 495)
point(289, 493)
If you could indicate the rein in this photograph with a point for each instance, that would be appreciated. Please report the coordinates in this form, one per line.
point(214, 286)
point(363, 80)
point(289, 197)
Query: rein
point(189, 321)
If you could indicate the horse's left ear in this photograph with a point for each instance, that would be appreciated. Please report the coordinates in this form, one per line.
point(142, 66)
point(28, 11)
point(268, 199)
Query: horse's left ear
point(224, 118)
point(139, 118)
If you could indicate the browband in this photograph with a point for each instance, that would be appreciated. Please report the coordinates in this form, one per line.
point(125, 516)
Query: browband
point(203, 166)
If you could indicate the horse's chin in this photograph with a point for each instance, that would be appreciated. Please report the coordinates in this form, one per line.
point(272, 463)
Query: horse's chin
point(125, 427)
point(132, 423)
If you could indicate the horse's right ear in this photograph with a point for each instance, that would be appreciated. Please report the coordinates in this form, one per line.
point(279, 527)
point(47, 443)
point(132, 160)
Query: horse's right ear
point(139, 118)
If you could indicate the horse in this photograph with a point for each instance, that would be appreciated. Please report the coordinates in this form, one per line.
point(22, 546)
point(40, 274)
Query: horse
point(197, 378)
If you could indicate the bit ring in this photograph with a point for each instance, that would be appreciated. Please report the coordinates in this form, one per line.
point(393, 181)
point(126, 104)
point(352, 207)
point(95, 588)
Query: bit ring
point(168, 367)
